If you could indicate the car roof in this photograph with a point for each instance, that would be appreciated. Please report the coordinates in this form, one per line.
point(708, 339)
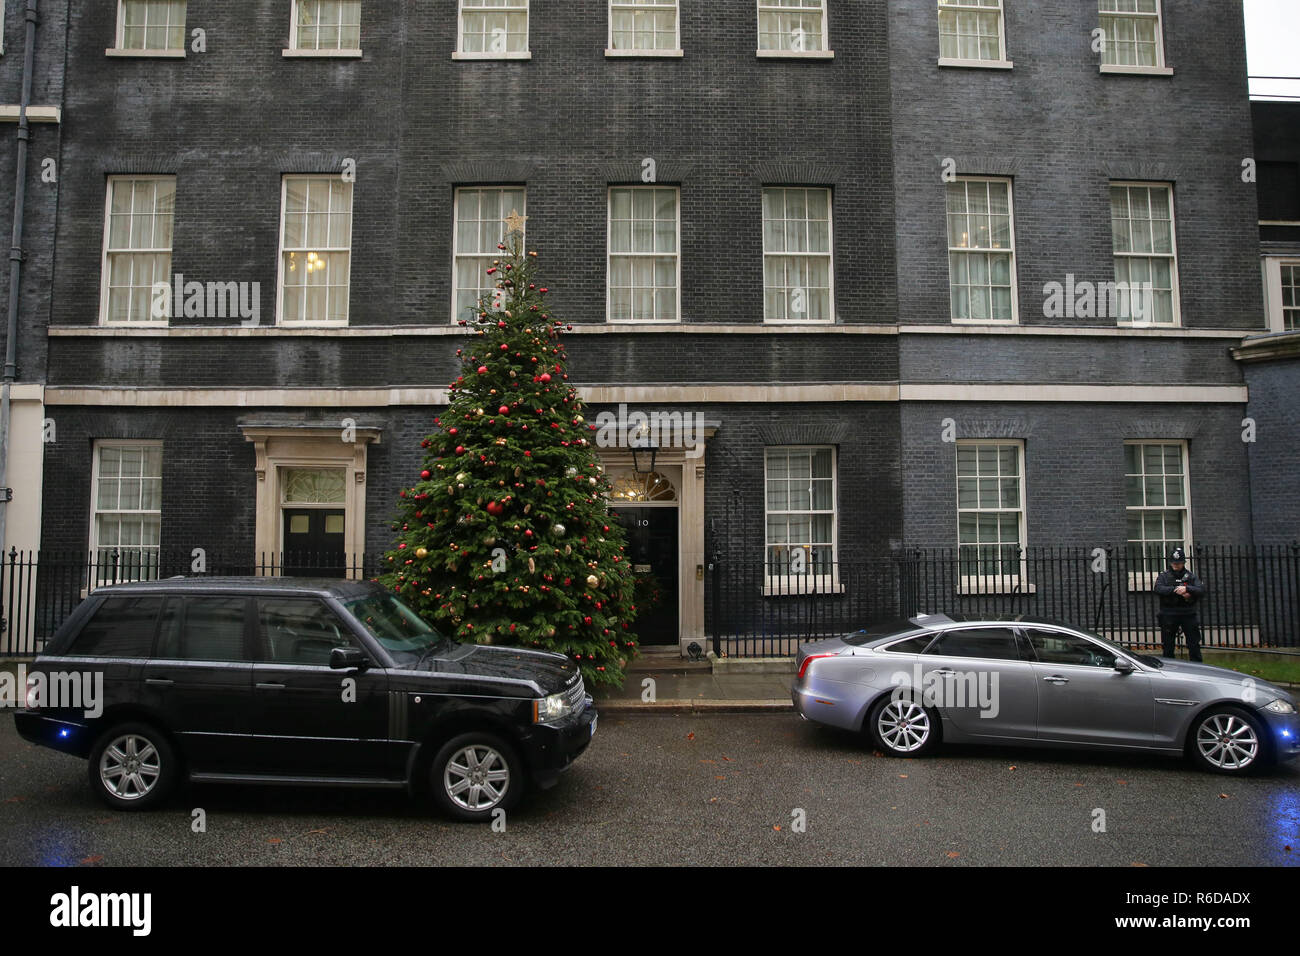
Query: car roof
point(938, 622)
point(204, 584)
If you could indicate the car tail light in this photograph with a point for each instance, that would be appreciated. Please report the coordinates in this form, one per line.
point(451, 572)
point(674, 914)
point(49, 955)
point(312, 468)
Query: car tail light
point(808, 660)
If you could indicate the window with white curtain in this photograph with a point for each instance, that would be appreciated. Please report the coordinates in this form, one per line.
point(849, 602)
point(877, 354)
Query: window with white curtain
point(644, 268)
point(643, 26)
point(792, 26)
point(971, 32)
point(493, 28)
point(478, 230)
point(1146, 266)
point(326, 25)
point(137, 249)
point(800, 509)
point(1132, 32)
point(151, 25)
point(315, 250)
point(981, 250)
point(990, 509)
point(126, 509)
point(1156, 502)
point(797, 255)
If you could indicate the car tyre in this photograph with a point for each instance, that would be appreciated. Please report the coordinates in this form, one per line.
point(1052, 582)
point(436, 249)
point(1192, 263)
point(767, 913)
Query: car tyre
point(475, 774)
point(1228, 740)
point(903, 727)
point(133, 766)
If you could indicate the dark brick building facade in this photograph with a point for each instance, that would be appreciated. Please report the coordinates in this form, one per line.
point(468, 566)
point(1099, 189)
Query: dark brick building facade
point(889, 384)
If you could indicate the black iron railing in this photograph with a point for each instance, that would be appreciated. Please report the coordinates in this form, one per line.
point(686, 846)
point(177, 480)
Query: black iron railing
point(39, 589)
point(765, 610)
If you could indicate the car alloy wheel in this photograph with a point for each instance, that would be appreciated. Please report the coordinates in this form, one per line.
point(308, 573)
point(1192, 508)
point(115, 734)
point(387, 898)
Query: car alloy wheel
point(1227, 741)
point(476, 778)
point(903, 726)
point(130, 767)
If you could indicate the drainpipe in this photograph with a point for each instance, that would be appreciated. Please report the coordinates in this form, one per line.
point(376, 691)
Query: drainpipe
point(16, 257)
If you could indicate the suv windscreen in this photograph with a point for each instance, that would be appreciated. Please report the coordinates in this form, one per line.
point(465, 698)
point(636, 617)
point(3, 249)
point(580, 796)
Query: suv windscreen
point(122, 627)
point(394, 625)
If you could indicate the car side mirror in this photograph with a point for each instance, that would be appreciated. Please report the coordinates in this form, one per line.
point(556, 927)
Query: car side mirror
point(346, 658)
point(1124, 665)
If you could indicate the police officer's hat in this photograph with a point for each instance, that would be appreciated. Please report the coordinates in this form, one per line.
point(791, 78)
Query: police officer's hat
point(1176, 556)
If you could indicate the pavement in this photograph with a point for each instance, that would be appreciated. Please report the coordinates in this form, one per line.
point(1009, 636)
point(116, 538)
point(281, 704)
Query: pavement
point(662, 683)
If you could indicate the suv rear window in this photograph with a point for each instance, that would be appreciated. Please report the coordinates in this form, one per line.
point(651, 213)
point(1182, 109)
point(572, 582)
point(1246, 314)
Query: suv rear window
point(122, 627)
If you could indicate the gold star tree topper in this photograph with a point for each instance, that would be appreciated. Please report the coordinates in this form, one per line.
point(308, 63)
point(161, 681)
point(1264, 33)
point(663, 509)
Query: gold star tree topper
point(514, 222)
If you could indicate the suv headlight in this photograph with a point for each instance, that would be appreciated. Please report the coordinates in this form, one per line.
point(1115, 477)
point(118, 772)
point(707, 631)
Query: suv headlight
point(1280, 706)
point(551, 708)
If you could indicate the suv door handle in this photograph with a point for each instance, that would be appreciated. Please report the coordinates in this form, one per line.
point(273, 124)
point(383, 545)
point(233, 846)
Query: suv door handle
point(261, 686)
point(1057, 679)
point(944, 672)
point(159, 681)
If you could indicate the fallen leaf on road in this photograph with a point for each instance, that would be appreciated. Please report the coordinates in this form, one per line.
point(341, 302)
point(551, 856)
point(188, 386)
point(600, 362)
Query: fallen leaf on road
point(1224, 796)
point(713, 799)
point(876, 753)
point(1078, 785)
point(706, 760)
point(776, 826)
point(1012, 767)
point(719, 778)
point(903, 776)
point(274, 840)
point(15, 800)
point(691, 735)
point(953, 854)
point(92, 859)
point(1122, 783)
point(728, 759)
point(1139, 864)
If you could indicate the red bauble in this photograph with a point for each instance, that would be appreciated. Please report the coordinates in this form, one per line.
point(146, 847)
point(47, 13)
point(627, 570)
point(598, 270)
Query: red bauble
point(545, 376)
point(482, 369)
point(504, 410)
point(460, 449)
point(426, 474)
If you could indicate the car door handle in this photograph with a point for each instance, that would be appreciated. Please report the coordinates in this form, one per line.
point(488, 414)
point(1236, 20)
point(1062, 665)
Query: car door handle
point(261, 686)
point(944, 672)
point(159, 681)
point(1057, 679)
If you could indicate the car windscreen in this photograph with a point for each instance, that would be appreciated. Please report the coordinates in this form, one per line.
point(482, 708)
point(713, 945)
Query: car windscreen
point(875, 632)
point(394, 625)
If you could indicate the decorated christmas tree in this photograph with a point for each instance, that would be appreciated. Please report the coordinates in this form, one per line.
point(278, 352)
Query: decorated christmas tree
point(505, 536)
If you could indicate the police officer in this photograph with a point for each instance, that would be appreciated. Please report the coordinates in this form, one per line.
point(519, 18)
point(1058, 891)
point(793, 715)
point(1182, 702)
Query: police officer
point(1179, 590)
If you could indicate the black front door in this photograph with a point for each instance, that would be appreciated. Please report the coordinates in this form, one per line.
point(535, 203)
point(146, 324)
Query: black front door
point(313, 543)
point(652, 549)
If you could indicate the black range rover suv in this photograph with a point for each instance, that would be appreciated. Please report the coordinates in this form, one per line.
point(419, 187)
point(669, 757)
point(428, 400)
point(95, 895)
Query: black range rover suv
point(288, 681)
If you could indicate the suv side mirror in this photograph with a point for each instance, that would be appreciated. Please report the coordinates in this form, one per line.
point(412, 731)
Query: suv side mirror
point(1124, 665)
point(346, 658)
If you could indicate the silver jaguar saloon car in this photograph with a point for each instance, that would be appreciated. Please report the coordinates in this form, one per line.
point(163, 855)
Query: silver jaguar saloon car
point(912, 684)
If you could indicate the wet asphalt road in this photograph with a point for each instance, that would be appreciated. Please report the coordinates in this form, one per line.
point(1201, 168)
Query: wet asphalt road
point(695, 790)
